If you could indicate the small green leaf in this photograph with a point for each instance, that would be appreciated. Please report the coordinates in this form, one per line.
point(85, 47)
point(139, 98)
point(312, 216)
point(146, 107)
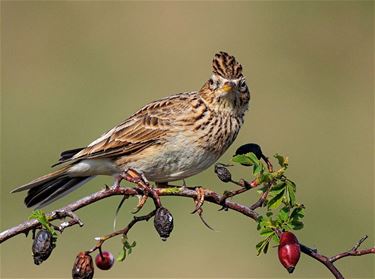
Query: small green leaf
point(291, 184)
point(260, 246)
point(278, 188)
point(296, 225)
point(265, 248)
point(242, 159)
point(264, 222)
point(276, 201)
point(281, 159)
point(247, 159)
point(291, 195)
point(266, 232)
point(127, 249)
point(258, 168)
point(121, 256)
point(275, 238)
point(283, 214)
point(42, 218)
point(297, 213)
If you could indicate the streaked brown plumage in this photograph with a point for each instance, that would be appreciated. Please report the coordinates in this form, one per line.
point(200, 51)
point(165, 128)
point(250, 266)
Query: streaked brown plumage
point(167, 140)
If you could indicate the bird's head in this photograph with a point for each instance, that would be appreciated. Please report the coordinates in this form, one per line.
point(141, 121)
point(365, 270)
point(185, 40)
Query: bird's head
point(226, 90)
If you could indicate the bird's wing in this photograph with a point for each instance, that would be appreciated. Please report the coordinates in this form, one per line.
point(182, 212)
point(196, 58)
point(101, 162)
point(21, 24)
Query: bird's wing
point(144, 128)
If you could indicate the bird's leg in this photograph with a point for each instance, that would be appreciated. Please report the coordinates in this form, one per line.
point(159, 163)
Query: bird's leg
point(117, 182)
point(133, 176)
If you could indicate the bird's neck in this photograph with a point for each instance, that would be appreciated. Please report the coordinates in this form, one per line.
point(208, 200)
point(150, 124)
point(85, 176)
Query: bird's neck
point(229, 105)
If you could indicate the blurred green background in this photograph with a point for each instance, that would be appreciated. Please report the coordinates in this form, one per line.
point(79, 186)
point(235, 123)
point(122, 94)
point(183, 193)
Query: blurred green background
point(72, 70)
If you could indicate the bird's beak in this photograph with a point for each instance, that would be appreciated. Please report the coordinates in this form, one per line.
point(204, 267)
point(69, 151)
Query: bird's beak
point(228, 86)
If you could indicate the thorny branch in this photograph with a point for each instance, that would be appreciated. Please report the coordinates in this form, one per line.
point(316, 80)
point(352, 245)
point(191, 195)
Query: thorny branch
point(209, 196)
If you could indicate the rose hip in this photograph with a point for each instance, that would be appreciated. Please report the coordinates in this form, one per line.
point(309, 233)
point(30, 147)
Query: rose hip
point(289, 251)
point(105, 260)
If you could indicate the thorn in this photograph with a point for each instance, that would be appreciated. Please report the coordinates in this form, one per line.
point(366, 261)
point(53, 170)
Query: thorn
point(225, 208)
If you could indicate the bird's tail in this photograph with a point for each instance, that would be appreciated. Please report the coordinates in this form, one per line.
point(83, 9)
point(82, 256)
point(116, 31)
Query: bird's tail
point(48, 188)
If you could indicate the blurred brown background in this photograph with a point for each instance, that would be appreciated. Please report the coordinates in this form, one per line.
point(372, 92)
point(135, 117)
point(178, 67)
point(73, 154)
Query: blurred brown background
point(72, 70)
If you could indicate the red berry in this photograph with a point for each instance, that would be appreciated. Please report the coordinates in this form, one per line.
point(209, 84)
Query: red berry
point(105, 260)
point(289, 251)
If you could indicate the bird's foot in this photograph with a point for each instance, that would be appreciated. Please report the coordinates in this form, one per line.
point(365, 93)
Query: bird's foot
point(138, 178)
point(141, 202)
point(199, 200)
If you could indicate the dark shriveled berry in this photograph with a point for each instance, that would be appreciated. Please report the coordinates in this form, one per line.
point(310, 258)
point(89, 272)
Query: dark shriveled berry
point(83, 267)
point(163, 222)
point(223, 173)
point(42, 246)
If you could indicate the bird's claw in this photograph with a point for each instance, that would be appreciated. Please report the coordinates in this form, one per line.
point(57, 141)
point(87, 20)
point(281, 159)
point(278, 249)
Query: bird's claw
point(133, 176)
point(199, 199)
point(141, 202)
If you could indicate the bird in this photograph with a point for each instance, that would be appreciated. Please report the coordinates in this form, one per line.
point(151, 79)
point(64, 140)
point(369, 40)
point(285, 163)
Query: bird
point(167, 140)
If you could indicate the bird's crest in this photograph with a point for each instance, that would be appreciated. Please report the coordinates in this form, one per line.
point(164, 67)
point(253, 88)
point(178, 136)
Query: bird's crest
point(226, 66)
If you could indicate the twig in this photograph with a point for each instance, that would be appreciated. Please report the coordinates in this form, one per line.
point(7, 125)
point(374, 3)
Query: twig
point(123, 231)
point(263, 197)
point(354, 251)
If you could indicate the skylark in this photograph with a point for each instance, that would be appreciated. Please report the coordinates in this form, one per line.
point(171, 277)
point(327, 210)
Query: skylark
point(167, 140)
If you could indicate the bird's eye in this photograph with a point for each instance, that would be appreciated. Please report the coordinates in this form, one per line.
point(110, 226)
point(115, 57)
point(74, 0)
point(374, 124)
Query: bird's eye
point(243, 85)
point(212, 84)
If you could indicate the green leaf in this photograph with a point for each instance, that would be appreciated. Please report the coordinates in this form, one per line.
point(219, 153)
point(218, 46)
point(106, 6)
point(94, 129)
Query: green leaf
point(278, 188)
point(260, 246)
point(266, 232)
point(283, 161)
point(297, 214)
point(121, 256)
point(247, 159)
point(265, 248)
point(291, 195)
point(264, 222)
point(276, 201)
point(276, 238)
point(292, 184)
point(242, 159)
point(283, 214)
point(42, 218)
point(258, 168)
point(127, 249)
point(296, 225)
